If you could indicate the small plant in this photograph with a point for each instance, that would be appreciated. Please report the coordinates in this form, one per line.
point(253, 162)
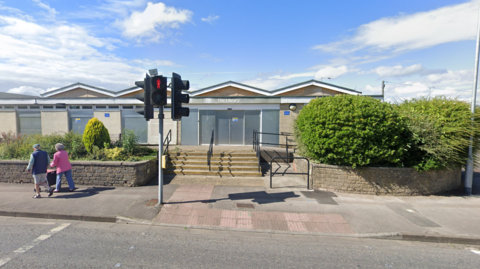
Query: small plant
point(95, 134)
point(130, 141)
point(115, 154)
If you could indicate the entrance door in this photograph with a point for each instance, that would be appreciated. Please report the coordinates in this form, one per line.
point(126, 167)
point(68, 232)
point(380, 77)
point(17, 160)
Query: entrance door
point(222, 124)
point(229, 127)
point(236, 127)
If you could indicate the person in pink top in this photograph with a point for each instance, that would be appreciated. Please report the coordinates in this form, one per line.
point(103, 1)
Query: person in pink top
point(60, 160)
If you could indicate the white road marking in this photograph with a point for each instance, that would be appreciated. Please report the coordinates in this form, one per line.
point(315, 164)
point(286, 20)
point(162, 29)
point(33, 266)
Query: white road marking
point(35, 242)
point(476, 251)
point(410, 210)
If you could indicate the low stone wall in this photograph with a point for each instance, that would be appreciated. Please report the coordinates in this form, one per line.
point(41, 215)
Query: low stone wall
point(125, 174)
point(378, 180)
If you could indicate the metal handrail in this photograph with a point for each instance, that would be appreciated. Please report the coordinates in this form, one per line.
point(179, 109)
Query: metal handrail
point(210, 151)
point(307, 173)
point(256, 142)
point(167, 140)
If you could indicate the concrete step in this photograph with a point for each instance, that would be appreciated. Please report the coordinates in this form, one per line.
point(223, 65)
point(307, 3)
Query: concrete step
point(207, 173)
point(215, 154)
point(213, 168)
point(214, 158)
point(213, 163)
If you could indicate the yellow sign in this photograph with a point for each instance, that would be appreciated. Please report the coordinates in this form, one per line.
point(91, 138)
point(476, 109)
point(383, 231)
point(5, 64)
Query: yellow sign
point(164, 161)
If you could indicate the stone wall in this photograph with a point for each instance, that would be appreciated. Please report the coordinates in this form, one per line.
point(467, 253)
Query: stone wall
point(124, 174)
point(379, 180)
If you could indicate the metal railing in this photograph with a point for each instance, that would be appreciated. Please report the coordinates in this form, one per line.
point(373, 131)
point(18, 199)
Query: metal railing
point(307, 173)
point(256, 144)
point(166, 142)
point(210, 151)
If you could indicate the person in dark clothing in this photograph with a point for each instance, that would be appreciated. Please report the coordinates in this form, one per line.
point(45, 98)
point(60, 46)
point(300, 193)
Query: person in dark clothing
point(38, 163)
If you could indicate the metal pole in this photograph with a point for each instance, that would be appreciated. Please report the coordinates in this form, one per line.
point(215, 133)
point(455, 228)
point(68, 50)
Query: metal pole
point(469, 168)
point(160, 155)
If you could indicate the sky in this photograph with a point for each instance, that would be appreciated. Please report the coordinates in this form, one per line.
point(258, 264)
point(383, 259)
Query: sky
point(420, 48)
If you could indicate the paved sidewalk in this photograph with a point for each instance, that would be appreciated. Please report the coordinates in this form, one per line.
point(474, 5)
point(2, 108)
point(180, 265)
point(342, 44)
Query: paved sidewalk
point(288, 208)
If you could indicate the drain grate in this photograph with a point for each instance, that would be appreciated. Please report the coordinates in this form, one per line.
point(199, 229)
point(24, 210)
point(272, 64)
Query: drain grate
point(152, 202)
point(245, 206)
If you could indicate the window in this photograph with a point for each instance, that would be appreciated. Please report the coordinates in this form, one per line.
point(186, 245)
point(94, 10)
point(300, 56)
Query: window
point(22, 107)
point(34, 107)
point(101, 107)
point(8, 107)
point(86, 107)
point(47, 107)
point(60, 107)
point(74, 107)
point(116, 107)
point(127, 107)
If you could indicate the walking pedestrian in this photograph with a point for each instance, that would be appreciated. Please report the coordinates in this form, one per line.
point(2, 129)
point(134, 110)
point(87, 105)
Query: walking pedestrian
point(60, 160)
point(38, 163)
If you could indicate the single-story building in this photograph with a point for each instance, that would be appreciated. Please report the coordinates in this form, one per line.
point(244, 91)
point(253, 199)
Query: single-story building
point(233, 110)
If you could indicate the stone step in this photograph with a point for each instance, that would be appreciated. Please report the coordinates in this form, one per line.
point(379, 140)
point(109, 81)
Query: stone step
point(207, 173)
point(215, 154)
point(213, 168)
point(204, 158)
point(213, 163)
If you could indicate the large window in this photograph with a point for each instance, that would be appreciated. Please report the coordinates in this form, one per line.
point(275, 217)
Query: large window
point(79, 119)
point(29, 122)
point(134, 121)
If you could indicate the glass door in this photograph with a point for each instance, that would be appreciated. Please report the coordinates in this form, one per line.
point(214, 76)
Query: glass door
point(236, 127)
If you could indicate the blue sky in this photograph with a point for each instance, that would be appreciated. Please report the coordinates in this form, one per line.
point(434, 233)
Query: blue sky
point(419, 47)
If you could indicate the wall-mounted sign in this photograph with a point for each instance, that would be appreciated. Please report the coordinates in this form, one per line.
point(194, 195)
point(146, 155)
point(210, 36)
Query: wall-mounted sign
point(77, 120)
point(234, 119)
point(286, 113)
point(107, 115)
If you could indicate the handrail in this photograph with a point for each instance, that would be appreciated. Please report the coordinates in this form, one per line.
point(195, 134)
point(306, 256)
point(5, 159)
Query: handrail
point(307, 173)
point(256, 141)
point(210, 151)
point(167, 140)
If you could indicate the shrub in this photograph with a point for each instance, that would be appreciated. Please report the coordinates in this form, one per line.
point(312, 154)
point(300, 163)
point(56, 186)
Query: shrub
point(441, 130)
point(95, 134)
point(130, 141)
point(351, 130)
point(115, 154)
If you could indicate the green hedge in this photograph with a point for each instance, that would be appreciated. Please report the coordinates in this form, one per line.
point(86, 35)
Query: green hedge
point(352, 130)
point(95, 134)
point(441, 128)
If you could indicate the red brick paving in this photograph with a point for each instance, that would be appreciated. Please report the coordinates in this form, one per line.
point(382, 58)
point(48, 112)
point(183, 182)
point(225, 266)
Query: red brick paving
point(185, 208)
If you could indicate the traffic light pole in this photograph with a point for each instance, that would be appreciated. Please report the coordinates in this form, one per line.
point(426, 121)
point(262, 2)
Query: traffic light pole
point(160, 155)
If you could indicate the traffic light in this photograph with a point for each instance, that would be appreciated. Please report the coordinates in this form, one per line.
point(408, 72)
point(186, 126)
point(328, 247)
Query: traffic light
point(178, 97)
point(148, 107)
point(159, 91)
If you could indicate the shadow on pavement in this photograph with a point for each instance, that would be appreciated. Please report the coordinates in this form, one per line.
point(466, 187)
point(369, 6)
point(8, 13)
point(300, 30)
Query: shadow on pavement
point(80, 193)
point(260, 197)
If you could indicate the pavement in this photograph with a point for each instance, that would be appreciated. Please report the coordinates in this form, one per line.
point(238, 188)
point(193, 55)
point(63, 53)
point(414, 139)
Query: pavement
point(248, 204)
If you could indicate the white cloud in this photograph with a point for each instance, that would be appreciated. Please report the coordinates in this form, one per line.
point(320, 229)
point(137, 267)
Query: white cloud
point(331, 72)
point(398, 70)
point(210, 19)
point(290, 76)
point(414, 31)
point(144, 24)
point(59, 54)
point(28, 90)
point(51, 12)
point(456, 84)
point(210, 57)
point(267, 84)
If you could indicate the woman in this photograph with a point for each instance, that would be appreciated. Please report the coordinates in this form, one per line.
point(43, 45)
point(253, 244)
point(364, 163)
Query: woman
point(60, 160)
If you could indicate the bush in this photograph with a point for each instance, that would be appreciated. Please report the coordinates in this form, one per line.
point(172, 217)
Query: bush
point(95, 134)
point(130, 141)
point(352, 130)
point(441, 130)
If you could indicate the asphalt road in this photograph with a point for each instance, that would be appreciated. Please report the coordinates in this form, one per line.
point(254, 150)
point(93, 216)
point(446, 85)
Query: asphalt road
point(38, 243)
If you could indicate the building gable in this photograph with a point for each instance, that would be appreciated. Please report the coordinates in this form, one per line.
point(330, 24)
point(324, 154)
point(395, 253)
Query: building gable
point(311, 90)
point(78, 90)
point(78, 93)
point(229, 91)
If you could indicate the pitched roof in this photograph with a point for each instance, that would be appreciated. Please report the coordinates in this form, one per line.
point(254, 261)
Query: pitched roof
point(130, 90)
point(7, 95)
point(79, 85)
point(315, 83)
point(232, 84)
